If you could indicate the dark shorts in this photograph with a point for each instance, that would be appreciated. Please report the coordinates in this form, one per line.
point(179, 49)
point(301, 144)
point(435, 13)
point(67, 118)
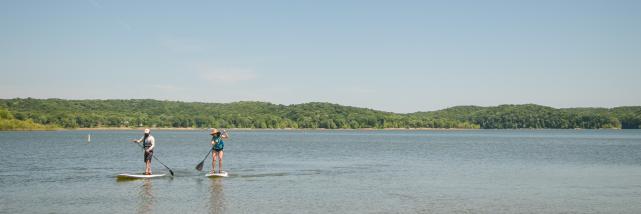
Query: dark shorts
point(218, 150)
point(149, 155)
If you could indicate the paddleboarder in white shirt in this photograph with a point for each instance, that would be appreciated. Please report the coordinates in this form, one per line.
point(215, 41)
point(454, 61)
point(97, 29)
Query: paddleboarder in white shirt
point(148, 142)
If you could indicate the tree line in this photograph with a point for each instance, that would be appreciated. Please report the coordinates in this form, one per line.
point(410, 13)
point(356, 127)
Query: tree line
point(51, 113)
point(8, 122)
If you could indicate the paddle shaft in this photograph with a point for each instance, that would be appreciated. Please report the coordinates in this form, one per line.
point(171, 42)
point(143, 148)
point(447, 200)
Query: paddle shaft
point(206, 156)
point(199, 166)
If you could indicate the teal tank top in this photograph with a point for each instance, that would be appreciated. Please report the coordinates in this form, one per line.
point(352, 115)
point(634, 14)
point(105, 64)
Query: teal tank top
point(219, 143)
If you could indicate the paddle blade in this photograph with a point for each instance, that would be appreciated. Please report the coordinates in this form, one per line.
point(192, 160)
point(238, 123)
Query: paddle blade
point(199, 167)
point(171, 172)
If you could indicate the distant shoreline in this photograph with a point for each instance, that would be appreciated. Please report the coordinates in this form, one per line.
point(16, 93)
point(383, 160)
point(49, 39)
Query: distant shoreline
point(283, 129)
point(234, 129)
point(39, 114)
point(262, 129)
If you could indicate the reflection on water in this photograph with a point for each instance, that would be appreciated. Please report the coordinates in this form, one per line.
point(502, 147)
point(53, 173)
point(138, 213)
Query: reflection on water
point(146, 198)
point(217, 201)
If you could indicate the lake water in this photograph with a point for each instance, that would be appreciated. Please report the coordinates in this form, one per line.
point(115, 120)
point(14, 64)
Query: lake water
point(475, 171)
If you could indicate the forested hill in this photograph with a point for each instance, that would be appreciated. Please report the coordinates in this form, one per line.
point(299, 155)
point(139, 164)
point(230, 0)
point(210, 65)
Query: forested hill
point(47, 113)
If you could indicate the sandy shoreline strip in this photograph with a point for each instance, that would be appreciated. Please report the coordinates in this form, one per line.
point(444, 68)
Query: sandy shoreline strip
point(256, 129)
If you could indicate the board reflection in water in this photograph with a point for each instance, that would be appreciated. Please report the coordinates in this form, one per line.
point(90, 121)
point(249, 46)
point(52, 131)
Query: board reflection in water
point(217, 202)
point(146, 197)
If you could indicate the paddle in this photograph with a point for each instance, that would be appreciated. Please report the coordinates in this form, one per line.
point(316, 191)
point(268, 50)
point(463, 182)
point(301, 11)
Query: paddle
point(154, 156)
point(199, 167)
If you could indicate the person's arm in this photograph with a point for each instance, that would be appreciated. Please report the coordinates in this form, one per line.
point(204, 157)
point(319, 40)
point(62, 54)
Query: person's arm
point(224, 135)
point(152, 140)
point(138, 141)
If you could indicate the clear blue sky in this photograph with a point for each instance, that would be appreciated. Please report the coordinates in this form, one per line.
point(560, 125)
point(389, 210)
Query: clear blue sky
point(400, 56)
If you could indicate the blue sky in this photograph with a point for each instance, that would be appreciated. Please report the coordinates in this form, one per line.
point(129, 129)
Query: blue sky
point(400, 56)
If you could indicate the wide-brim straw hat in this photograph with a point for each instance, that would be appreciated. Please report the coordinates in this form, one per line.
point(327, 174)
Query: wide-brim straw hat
point(213, 131)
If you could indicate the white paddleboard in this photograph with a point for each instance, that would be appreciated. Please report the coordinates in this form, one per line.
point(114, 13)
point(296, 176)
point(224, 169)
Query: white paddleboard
point(131, 176)
point(222, 174)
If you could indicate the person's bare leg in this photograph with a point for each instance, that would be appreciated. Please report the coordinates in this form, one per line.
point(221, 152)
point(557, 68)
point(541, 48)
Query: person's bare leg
point(220, 162)
point(148, 167)
point(213, 161)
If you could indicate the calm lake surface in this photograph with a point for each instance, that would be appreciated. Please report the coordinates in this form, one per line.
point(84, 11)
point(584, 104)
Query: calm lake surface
point(472, 171)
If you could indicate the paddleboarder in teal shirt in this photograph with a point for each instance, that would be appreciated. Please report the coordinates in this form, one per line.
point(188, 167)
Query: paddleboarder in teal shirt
point(218, 145)
point(148, 142)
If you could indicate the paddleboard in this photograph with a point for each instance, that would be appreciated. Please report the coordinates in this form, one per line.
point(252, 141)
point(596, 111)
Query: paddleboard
point(222, 174)
point(135, 176)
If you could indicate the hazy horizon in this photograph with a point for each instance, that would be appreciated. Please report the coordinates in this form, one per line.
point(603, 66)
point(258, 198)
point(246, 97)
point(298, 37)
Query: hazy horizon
point(395, 56)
